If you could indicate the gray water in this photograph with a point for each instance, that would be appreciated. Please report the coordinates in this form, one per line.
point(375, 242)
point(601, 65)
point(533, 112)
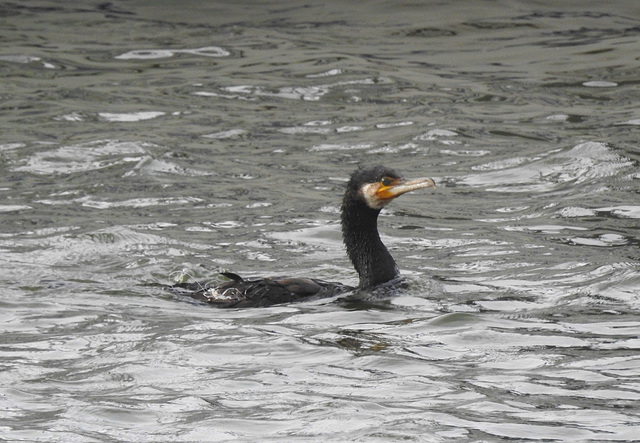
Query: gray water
point(143, 143)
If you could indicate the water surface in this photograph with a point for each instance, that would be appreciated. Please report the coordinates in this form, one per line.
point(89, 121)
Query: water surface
point(147, 142)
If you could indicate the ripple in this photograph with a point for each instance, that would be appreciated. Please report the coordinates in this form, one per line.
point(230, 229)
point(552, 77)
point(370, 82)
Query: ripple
point(601, 240)
point(634, 122)
point(89, 156)
point(102, 154)
point(340, 147)
point(465, 152)
point(14, 208)
point(571, 211)
point(130, 117)
point(393, 125)
point(558, 117)
point(307, 93)
point(150, 54)
point(328, 73)
point(24, 59)
point(343, 129)
point(98, 247)
point(587, 161)
point(435, 134)
point(304, 130)
point(547, 229)
point(600, 84)
point(136, 202)
point(621, 211)
point(223, 135)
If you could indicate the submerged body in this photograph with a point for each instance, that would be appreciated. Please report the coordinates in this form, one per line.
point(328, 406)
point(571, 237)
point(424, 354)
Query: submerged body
point(241, 293)
point(368, 191)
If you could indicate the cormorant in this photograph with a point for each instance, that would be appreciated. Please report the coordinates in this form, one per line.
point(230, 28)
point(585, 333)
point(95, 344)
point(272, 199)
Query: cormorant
point(368, 191)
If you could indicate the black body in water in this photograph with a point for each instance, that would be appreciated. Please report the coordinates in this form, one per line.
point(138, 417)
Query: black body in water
point(368, 191)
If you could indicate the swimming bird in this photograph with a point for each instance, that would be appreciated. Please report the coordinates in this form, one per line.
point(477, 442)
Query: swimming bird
point(368, 191)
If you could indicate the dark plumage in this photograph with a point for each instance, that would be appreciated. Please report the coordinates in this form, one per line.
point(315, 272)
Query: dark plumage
point(368, 191)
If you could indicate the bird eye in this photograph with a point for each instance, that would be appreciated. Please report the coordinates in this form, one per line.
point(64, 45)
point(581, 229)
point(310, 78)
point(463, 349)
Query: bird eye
point(386, 181)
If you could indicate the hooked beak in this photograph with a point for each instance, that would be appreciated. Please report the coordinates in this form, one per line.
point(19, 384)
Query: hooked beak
point(401, 186)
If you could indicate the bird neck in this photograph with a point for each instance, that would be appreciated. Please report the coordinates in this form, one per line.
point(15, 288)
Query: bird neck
point(369, 256)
